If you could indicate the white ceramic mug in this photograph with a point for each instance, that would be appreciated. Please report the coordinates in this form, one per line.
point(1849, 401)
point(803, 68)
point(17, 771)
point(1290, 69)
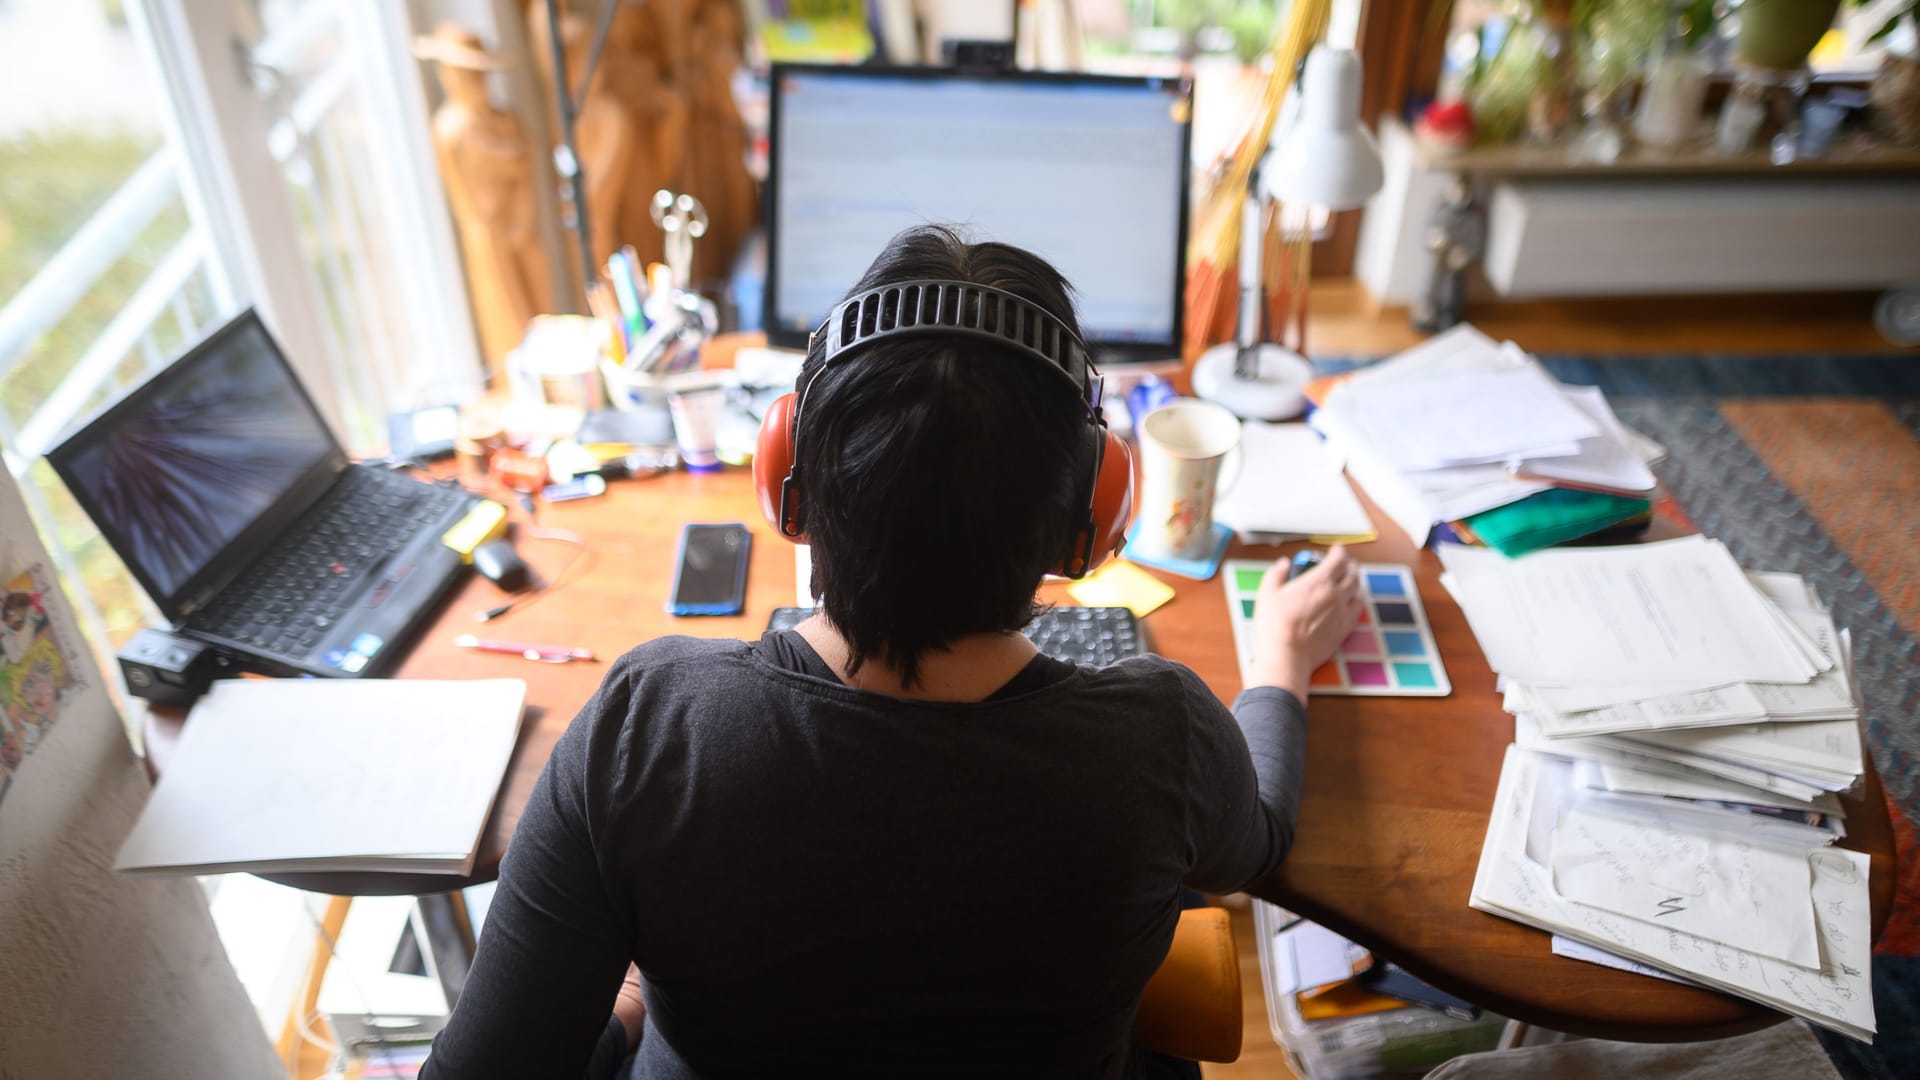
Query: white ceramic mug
point(1184, 445)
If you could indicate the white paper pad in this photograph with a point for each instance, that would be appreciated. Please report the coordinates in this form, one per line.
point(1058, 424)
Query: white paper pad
point(1290, 485)
point(303, 774)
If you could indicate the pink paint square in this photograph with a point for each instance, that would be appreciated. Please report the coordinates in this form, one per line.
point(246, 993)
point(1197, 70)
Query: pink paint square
point(1366, 673)
point(1361, 643)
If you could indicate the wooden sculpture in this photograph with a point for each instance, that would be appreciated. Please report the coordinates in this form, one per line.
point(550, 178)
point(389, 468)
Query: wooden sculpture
point(486, 163)
point(669, 64)
point(717, 167)
point(661, 114)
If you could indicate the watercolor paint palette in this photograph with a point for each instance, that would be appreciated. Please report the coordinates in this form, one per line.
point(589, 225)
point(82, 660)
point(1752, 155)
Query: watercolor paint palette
point(1390, 654)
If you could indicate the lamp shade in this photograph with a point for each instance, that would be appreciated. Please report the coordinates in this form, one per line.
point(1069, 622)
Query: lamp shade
point(1326, 158)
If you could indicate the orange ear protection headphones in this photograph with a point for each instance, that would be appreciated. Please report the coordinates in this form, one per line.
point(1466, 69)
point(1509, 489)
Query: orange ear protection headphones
point(1103, 497)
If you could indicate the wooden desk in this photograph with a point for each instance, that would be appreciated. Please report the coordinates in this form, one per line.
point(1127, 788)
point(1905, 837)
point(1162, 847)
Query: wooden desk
point(1397, 797)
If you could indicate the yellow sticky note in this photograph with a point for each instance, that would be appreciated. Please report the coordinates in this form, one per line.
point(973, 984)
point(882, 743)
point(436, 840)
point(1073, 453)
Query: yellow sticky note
point(1122, 584)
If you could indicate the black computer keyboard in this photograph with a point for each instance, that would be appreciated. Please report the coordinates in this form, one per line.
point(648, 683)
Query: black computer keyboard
point(1078, 635)
point(292, 595)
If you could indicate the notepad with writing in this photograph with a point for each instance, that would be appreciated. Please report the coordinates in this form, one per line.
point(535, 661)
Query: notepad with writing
point(351, 775)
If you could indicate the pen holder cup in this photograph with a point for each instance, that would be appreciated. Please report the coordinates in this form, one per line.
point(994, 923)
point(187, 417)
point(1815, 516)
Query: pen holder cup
point(630, 390)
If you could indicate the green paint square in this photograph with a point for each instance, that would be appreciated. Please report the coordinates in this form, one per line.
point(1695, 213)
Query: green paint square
point(1247, 579)
point(1246, 608)
point(1414, 675)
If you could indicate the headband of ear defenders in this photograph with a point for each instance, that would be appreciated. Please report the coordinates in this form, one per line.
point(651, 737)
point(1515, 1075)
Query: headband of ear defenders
point(960, 309)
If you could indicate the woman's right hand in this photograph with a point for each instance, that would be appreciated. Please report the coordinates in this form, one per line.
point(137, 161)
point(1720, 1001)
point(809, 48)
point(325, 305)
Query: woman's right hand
point(1298, 624)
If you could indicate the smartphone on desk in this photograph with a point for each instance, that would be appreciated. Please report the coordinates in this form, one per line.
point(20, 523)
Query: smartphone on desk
point(710, 570)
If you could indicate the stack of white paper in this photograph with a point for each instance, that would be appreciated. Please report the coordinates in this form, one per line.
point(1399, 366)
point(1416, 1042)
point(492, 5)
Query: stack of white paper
point(1675, 614)
point(1665, 664)
point(321, 774)
point(1681, 727)
point(1290, 488)
point(1755, 915)
point(1460, 424)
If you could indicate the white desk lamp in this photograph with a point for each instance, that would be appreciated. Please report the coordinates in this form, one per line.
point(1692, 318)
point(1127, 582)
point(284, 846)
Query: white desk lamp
point(1325, 159)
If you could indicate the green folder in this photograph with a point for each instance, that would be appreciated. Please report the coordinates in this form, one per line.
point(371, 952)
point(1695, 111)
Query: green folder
point(1553, 516)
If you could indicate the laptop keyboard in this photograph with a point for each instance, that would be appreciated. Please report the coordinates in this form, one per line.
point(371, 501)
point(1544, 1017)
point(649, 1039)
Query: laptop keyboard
point(290, 598)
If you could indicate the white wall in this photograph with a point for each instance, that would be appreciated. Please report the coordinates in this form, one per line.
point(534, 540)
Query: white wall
point(101, 974)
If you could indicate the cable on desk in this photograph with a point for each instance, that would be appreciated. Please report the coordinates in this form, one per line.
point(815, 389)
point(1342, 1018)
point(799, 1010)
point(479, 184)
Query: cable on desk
point(584, 558)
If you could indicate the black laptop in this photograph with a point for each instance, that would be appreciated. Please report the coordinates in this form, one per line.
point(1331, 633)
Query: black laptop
point(223, 490)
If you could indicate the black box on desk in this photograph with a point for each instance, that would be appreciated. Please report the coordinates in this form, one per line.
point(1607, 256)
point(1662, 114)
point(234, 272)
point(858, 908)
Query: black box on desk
point(168, 669)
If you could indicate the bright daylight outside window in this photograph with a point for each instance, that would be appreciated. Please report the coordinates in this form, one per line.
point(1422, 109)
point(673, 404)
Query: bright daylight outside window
point(103, 272)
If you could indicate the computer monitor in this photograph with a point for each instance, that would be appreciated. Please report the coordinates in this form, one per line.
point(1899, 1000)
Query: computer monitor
point(1088, 171)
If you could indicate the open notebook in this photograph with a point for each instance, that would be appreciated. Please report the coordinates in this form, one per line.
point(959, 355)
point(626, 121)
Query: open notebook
point(311, 774)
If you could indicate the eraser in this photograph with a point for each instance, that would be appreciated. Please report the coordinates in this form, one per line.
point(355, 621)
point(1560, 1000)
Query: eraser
point(486, 521)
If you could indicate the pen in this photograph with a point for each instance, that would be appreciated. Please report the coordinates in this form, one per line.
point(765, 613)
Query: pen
point(546, 654)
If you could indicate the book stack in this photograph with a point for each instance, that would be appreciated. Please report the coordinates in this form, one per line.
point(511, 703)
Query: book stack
point(1472, 435)
point(1683, 730)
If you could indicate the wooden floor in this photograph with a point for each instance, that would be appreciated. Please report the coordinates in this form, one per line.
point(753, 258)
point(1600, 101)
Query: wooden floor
point(1344, 322)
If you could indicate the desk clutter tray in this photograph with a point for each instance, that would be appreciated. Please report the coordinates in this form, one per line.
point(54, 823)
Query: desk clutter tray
point(1344, 1031)
point(1390, 654)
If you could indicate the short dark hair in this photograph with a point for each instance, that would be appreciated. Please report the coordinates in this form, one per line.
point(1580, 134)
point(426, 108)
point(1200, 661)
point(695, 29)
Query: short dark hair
point(15, 601)
point(940, 471)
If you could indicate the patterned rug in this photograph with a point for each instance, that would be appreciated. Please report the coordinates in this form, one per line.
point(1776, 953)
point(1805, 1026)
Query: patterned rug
point(1812, 465)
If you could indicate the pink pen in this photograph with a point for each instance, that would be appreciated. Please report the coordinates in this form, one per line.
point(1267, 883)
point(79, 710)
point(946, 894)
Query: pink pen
point(546, 654)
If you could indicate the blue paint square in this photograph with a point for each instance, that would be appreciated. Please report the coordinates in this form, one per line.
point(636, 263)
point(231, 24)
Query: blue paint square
point(1414, 675)
point(1404, 643)
point(1385, 584)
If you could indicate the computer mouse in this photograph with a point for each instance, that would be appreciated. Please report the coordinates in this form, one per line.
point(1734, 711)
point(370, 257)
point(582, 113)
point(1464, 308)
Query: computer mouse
point(496, 561)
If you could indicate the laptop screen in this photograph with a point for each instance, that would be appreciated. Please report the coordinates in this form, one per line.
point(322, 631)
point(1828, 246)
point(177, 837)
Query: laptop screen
point(220, 447)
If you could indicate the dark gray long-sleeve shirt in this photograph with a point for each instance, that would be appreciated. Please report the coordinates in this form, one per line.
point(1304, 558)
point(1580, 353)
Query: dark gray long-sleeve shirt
point(818, 880)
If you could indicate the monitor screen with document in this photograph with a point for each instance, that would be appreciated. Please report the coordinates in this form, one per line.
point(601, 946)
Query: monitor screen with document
point(1088, 171)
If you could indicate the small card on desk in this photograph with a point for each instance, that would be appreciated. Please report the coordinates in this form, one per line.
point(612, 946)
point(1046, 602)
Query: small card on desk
point(1122, 584)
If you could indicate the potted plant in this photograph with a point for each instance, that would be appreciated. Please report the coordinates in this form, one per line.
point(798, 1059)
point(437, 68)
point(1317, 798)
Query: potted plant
point(1895, 92)
point(1675, 85)
point(1778, 34)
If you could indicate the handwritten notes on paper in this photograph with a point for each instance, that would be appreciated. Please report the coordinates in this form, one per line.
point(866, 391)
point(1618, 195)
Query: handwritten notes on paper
point(1735, 891)
point(1837, 992)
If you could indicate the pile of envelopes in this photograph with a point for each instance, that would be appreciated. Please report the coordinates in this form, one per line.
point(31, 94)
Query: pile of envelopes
point(1682, 731)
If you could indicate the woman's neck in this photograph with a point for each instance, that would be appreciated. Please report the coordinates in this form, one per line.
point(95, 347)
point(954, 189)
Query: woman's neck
point(971, 669)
